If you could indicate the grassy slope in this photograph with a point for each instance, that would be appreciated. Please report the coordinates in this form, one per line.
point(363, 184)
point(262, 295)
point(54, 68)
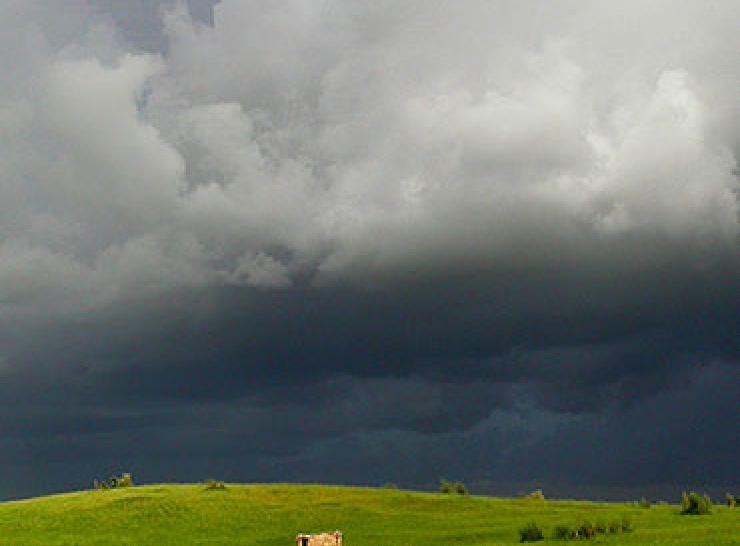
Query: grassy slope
point(272, 515)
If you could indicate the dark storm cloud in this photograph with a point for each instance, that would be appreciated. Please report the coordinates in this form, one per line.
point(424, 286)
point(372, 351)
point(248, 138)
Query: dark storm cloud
point(431, 235)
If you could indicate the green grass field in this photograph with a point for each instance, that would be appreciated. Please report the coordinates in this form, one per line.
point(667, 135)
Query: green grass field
point(271, 515)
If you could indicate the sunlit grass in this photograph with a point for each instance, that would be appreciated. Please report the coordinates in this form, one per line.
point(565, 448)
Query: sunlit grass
point(271, 515)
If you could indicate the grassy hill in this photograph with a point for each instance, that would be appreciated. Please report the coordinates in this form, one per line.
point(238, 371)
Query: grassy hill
point(271, 515)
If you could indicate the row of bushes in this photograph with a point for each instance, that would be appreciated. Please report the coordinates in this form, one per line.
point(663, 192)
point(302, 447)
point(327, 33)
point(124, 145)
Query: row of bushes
point(586, 530)
point(693, 503)
point(126, 480)
point(459, 488)
point(114, 482)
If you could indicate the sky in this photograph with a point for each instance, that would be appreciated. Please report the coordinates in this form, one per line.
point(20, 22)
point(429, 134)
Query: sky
point(365, 242)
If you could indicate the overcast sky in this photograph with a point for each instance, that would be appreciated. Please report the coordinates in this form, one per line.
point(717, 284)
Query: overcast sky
point(359, 242)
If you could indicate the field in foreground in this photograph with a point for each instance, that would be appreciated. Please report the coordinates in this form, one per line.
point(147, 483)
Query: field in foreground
point(271, 515)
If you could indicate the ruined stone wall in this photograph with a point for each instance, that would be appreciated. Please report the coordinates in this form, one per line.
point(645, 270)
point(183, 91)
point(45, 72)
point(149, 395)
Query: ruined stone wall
point(324, 539)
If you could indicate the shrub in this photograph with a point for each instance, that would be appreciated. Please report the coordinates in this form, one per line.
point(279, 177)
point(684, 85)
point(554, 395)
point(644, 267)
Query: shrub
point(643, 503)
point(460, 488)
point(452, 487)
point(445, 486)
point(586, 530)
point(214, 485)
point(562, 532)
point(684, 501)
point(731, 500)
point(530, 533)
point(537, 495)
point(693, 504)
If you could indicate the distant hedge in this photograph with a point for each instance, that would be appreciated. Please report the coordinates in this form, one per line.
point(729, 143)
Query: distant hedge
point(114, 482)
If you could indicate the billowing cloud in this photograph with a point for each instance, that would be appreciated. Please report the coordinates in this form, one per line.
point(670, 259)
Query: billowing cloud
point(398, 220)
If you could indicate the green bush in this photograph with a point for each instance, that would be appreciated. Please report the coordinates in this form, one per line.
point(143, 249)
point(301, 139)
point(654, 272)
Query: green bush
point(586, 530)
point(693, 504)
point(530, 533)
point(448, 487)
point(643, 503)
point(460, 488)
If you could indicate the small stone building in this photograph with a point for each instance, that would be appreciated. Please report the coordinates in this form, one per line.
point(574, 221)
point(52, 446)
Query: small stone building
point(324, 539)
